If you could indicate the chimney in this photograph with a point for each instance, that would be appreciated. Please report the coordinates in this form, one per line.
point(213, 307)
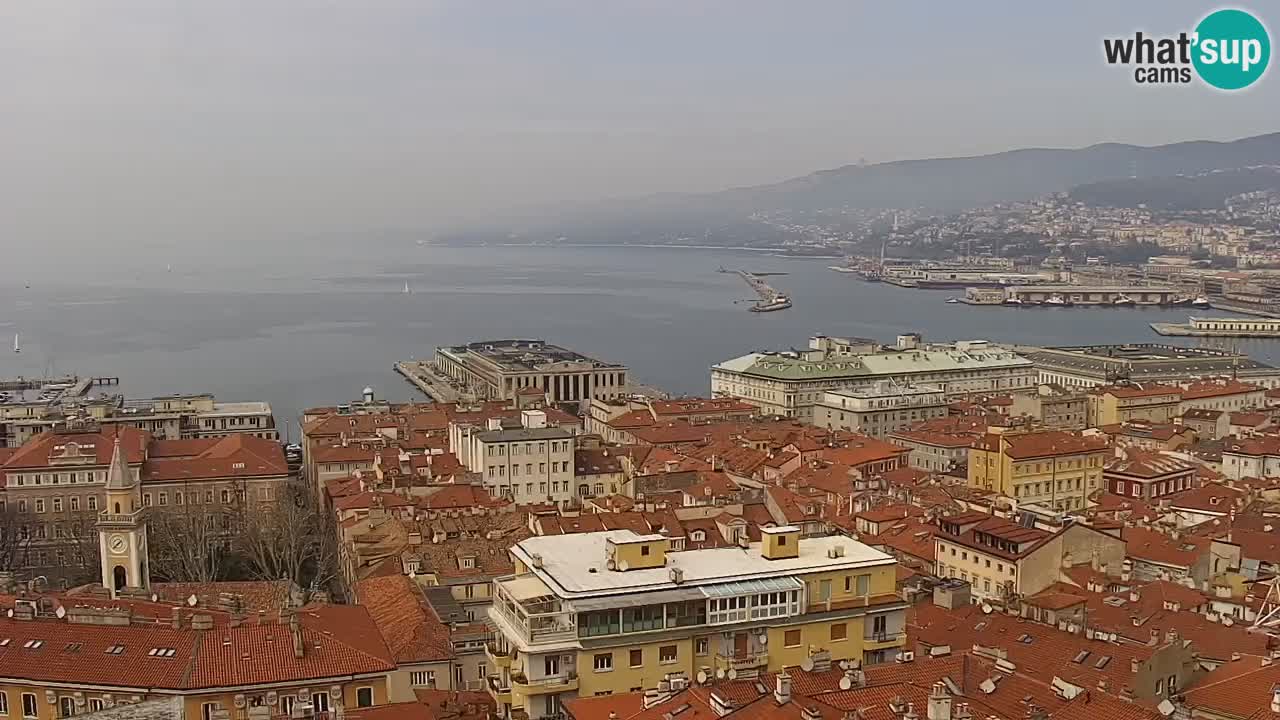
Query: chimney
point(1134, 665)
point(295, 629)
point(1134, 596)
point(782, 691)
point(177, 618)
point(939, 703)
point(1275, 700)
point(910, 714)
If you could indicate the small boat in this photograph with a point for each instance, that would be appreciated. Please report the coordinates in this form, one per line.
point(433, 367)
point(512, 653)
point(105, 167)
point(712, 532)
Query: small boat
point(407, 291)
point(1055, 300)
point(841, 269)
point(1200, 301)
point(16, 347)
point(952, 301)
point(1015, 300)
point(1123, 299)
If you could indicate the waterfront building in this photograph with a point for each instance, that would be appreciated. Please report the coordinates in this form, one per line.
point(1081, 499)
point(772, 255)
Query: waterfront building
point(615, 612)
point(27, 413)
point(792, 383)
point(879, 410)
point(1083, 366)
point(500, 369)
point(1053, 468)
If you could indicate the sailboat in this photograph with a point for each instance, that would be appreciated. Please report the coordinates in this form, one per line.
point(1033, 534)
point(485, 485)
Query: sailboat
point(407, 291)
point(16, 347)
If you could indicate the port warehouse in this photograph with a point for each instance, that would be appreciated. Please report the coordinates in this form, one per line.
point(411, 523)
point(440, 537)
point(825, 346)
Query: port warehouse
point(1091, 365)
point(1081, 294)
point(1255, 327)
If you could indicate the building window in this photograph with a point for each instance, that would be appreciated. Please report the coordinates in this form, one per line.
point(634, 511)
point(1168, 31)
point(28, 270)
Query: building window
point(39, 505)
point(637, 658)
point(207, 710)
point(791, 638)
point(364, 697)
point(28, 705)
point(839, 631)
point(864, 585)
point(668, 654)
point(96, 704)
point(602, 662)
point(146, 499)
point(66, 706)
point(320, 701)
point(701, 646)
point(423, 678)
point(4, 703)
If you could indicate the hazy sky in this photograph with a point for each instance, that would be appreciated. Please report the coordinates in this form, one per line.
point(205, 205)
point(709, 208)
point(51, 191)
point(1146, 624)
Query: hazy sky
point(140, 119)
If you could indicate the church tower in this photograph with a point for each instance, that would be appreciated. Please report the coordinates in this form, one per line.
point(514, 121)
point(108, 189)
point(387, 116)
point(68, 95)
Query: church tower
point(122, 529)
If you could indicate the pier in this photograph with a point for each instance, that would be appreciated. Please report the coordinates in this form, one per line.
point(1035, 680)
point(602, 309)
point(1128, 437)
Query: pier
point(1097, 294)
point(1253, 327)
point(422, 375)
point(770, 299)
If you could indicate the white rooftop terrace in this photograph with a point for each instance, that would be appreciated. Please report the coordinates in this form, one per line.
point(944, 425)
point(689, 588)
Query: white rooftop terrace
point(573, 566)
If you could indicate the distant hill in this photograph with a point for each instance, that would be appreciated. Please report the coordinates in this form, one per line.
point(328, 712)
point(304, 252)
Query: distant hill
point(942, 184)
point(1195, 192)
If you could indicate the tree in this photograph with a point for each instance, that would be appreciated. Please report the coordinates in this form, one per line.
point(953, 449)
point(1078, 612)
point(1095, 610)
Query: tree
point(289, 538)
point(189, 543)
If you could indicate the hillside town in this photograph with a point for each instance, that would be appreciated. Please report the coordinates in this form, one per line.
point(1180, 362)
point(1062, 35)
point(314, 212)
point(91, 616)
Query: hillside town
point(951, 531)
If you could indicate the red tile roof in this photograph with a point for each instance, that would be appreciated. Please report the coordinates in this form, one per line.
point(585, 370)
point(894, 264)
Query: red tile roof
point(37, 452)
point(234, 456)
point(409, 627)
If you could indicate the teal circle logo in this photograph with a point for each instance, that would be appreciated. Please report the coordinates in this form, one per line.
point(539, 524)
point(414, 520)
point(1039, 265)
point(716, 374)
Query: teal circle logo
point(1232, 49)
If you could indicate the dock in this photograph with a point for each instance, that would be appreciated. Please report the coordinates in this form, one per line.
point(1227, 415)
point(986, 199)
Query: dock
point(1097, 294)
point(422, 375)
point(1221, 327)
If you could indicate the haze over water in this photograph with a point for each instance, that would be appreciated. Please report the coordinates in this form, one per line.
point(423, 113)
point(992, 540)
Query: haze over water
point(316, 329)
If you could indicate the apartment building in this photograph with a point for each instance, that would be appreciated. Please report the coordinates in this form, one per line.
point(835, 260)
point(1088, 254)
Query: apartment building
point(501, 369)
point(1110, 405)
point(1053, 407)
point(792, 383)
point(940, 445)
point(529, 464)
point(879, 410)
point(1148, 476)
point(615, 612)
point(1001, 559)
point(1053, 468)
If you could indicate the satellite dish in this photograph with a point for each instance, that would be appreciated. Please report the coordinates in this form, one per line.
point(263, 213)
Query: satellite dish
point(733, 674)
point(10, 613)
point(845, 683)
point(192, 600)
point(807, 664)
point(764, 638)
point(986, 609)
point(61, 612)
point(720, 673)
point(702, 677)
point(154, 597)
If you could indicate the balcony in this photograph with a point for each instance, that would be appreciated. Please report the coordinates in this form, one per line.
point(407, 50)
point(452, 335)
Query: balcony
point(500, 692)
point(496, 657)
point(121, 519)
point(532, 611)
point(742, 663)
point(877, 640)
point(566, 682)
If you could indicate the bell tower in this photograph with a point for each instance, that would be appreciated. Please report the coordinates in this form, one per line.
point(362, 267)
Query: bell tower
point(122, 528)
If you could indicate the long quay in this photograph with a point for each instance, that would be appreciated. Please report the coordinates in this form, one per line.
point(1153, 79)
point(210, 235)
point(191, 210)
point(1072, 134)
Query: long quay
point(423, 375)
point(1253, 327)
point(1096, 294)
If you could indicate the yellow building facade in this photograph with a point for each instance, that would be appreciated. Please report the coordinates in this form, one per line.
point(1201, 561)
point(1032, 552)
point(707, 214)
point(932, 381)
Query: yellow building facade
point(615, 612)
point(1054, 469)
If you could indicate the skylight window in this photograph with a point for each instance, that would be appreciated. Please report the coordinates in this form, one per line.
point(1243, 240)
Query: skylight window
point(1080, 656)
point(115, 650)
point(1102, 662)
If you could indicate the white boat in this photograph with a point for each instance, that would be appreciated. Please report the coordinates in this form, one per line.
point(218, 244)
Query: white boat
point(1055, 300)
point(1122, 299)
point(407, 291)
point(952, 301)
point(841, 269)
point(16, 347)
point(1200, 301)
point(1015, 300)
